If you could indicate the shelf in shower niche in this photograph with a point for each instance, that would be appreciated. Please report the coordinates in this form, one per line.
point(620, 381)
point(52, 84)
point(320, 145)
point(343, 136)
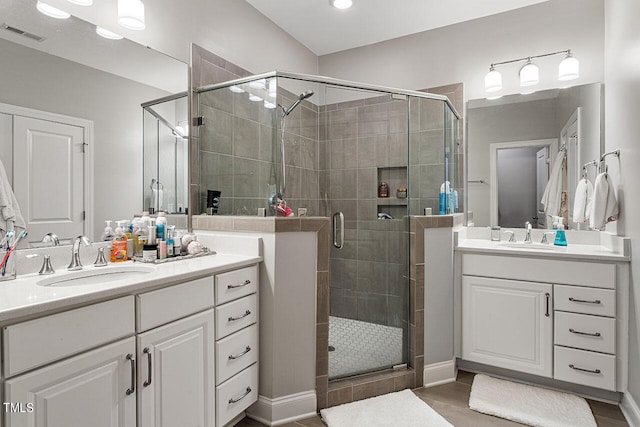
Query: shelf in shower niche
point(391, 201)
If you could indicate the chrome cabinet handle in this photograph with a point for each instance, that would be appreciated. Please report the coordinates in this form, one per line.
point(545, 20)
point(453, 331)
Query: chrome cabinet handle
point(594, 371)
point(238, 356)
point(585, 301)
point(573, 331)
point(246, 282)
point(132, 359)
point(246, 313)
point(338, 216)
point(547, 297)
point(149, 367)
point(245, 394)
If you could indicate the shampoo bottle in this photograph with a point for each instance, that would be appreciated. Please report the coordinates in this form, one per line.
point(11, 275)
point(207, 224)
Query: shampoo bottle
point(119, 244)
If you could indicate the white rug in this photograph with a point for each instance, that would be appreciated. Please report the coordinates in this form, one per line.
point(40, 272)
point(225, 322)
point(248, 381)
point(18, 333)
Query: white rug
point(399, 409)
point(529, 405)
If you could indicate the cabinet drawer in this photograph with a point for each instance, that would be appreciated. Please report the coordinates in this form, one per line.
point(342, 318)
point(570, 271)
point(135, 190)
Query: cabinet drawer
point(235, 315)
point(236, 395)
point(236, 352)
point(236, 284)
point(44, 340)
point(586, 332)
point(601, 302)
point(585, 367)
point(174, 302)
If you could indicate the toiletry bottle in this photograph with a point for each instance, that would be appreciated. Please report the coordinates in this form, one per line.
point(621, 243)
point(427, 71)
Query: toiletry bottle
point(561, 238)
point(161, 225)
point(444, 197)
point(139, 235)
point(108, 233)
point(170, 231)
point(177, 243)
point(119, 244)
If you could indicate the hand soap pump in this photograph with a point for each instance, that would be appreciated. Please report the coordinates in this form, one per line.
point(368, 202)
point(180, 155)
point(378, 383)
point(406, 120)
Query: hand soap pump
point(107, 234)
point(558, 225)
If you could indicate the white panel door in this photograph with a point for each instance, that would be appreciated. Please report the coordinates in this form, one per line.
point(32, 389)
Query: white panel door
point(508, 324)
point(48, 175)
point(86, 390)
point(175, 374)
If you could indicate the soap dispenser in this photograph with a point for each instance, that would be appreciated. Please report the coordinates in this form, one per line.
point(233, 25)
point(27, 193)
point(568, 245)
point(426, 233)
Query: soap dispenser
point(558, 225)
point(119, 244)
point(107, 234)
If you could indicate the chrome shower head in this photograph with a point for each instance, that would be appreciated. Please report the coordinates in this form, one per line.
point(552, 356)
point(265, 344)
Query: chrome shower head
point(304, 95)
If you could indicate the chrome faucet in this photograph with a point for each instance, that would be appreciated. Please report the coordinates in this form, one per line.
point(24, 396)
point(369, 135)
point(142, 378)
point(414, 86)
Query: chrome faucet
point(527, 236)
point(75, 263)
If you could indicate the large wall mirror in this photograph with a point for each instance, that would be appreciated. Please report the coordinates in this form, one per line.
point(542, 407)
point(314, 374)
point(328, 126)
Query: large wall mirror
point(512, 143)
point(62, 86)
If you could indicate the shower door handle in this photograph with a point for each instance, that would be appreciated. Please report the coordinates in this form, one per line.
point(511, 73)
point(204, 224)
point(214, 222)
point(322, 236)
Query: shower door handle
point(338, 217)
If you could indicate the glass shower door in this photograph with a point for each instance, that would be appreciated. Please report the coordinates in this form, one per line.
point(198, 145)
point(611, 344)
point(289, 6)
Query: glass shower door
point(363, 176)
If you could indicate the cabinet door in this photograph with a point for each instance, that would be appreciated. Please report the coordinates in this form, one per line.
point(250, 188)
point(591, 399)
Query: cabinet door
point(508, 324)
point(175, 374)
point(93, 389)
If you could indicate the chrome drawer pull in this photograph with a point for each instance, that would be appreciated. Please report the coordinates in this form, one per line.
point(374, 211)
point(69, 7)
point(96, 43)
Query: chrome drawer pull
point(132, 359)
point(547, 297)
point(573, 331)
point(585, 301)
point(595, 371)
point(146, 351)
point(245, 394)
point(247, 350)
point(246, 313)
point(246, 282)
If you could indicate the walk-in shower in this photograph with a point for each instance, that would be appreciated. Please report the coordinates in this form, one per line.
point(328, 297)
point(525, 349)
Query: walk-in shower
point(376, 155)
point(165, 154)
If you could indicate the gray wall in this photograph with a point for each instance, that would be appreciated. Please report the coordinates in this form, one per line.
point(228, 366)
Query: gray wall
point(111, 102)
point(622, 127)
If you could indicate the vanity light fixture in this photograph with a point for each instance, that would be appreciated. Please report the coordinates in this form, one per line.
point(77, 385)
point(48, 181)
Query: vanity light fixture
point(258, 84)
point(82, 2)
point(131, 14)
point(268, 104)
point(236, 89)
point(52, 11)
point(103, 32)
point(254, 98)
point(530, 73)
point(341, 4)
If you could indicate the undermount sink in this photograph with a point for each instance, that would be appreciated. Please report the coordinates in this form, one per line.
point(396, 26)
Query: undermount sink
point(95, 275)
point(536, 246)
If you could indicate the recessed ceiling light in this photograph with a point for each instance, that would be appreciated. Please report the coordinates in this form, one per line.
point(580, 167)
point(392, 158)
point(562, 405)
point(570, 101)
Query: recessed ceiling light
point(341, 4)
point(52, 11)
point(108, 34)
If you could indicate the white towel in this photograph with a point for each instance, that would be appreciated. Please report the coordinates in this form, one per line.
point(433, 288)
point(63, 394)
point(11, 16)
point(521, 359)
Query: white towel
point(605, 206)
point(583, 201)
point(553, 191)
point(10, 215)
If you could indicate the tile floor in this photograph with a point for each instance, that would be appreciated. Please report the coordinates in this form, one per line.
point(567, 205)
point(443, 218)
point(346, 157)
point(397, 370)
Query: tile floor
point(452, 402)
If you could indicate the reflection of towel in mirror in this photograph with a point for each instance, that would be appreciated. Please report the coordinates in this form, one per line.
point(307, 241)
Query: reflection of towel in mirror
point(10, 214)
point(553, 191)
point(583, 201)
point(604, 208)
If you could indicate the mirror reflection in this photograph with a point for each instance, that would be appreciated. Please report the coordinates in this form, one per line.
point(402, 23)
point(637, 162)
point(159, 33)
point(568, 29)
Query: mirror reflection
point(513, 143)
point(71, 122)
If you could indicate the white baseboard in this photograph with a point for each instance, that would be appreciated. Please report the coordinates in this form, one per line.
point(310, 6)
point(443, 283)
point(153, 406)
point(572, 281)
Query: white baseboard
point(283, 410)
point(439, 373)
point(630, 409)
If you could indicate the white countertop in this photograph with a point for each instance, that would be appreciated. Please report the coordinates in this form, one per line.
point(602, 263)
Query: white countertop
point(23, 297)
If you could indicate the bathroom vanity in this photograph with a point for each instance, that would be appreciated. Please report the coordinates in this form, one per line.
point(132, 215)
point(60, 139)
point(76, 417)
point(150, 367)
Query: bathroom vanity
point(559, 313)
point(174, 344)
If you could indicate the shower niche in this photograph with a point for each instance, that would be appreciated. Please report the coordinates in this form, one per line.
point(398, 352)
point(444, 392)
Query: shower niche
point(325, 145)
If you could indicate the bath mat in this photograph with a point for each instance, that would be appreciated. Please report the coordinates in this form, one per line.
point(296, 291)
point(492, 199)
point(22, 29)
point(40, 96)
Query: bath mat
point(526, 404)
point(399, 409)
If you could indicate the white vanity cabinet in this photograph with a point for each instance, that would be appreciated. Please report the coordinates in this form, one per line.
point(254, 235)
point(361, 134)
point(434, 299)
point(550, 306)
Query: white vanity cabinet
point(508, 323)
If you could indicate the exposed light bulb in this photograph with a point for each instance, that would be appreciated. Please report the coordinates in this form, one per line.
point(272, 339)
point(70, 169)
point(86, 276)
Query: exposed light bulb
point(493, 80)
point(341, 4)
point(82, 2)
point(131, 14)
point(529, 74)
point(103, 32)
point(569, 68)
point(51, 11)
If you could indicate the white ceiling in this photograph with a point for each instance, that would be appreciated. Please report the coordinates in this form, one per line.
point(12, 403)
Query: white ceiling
point(324, 29)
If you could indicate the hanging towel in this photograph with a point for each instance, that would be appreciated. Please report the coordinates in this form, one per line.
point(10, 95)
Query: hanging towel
point(604, 208)
point(552, 195)
point(583, 201)
point(10, 215)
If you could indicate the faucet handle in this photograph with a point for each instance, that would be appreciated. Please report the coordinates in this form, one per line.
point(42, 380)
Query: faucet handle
point(100, 259)
point(544, 237)
point(512, 236)
point(528, 225)
point(46, 264)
